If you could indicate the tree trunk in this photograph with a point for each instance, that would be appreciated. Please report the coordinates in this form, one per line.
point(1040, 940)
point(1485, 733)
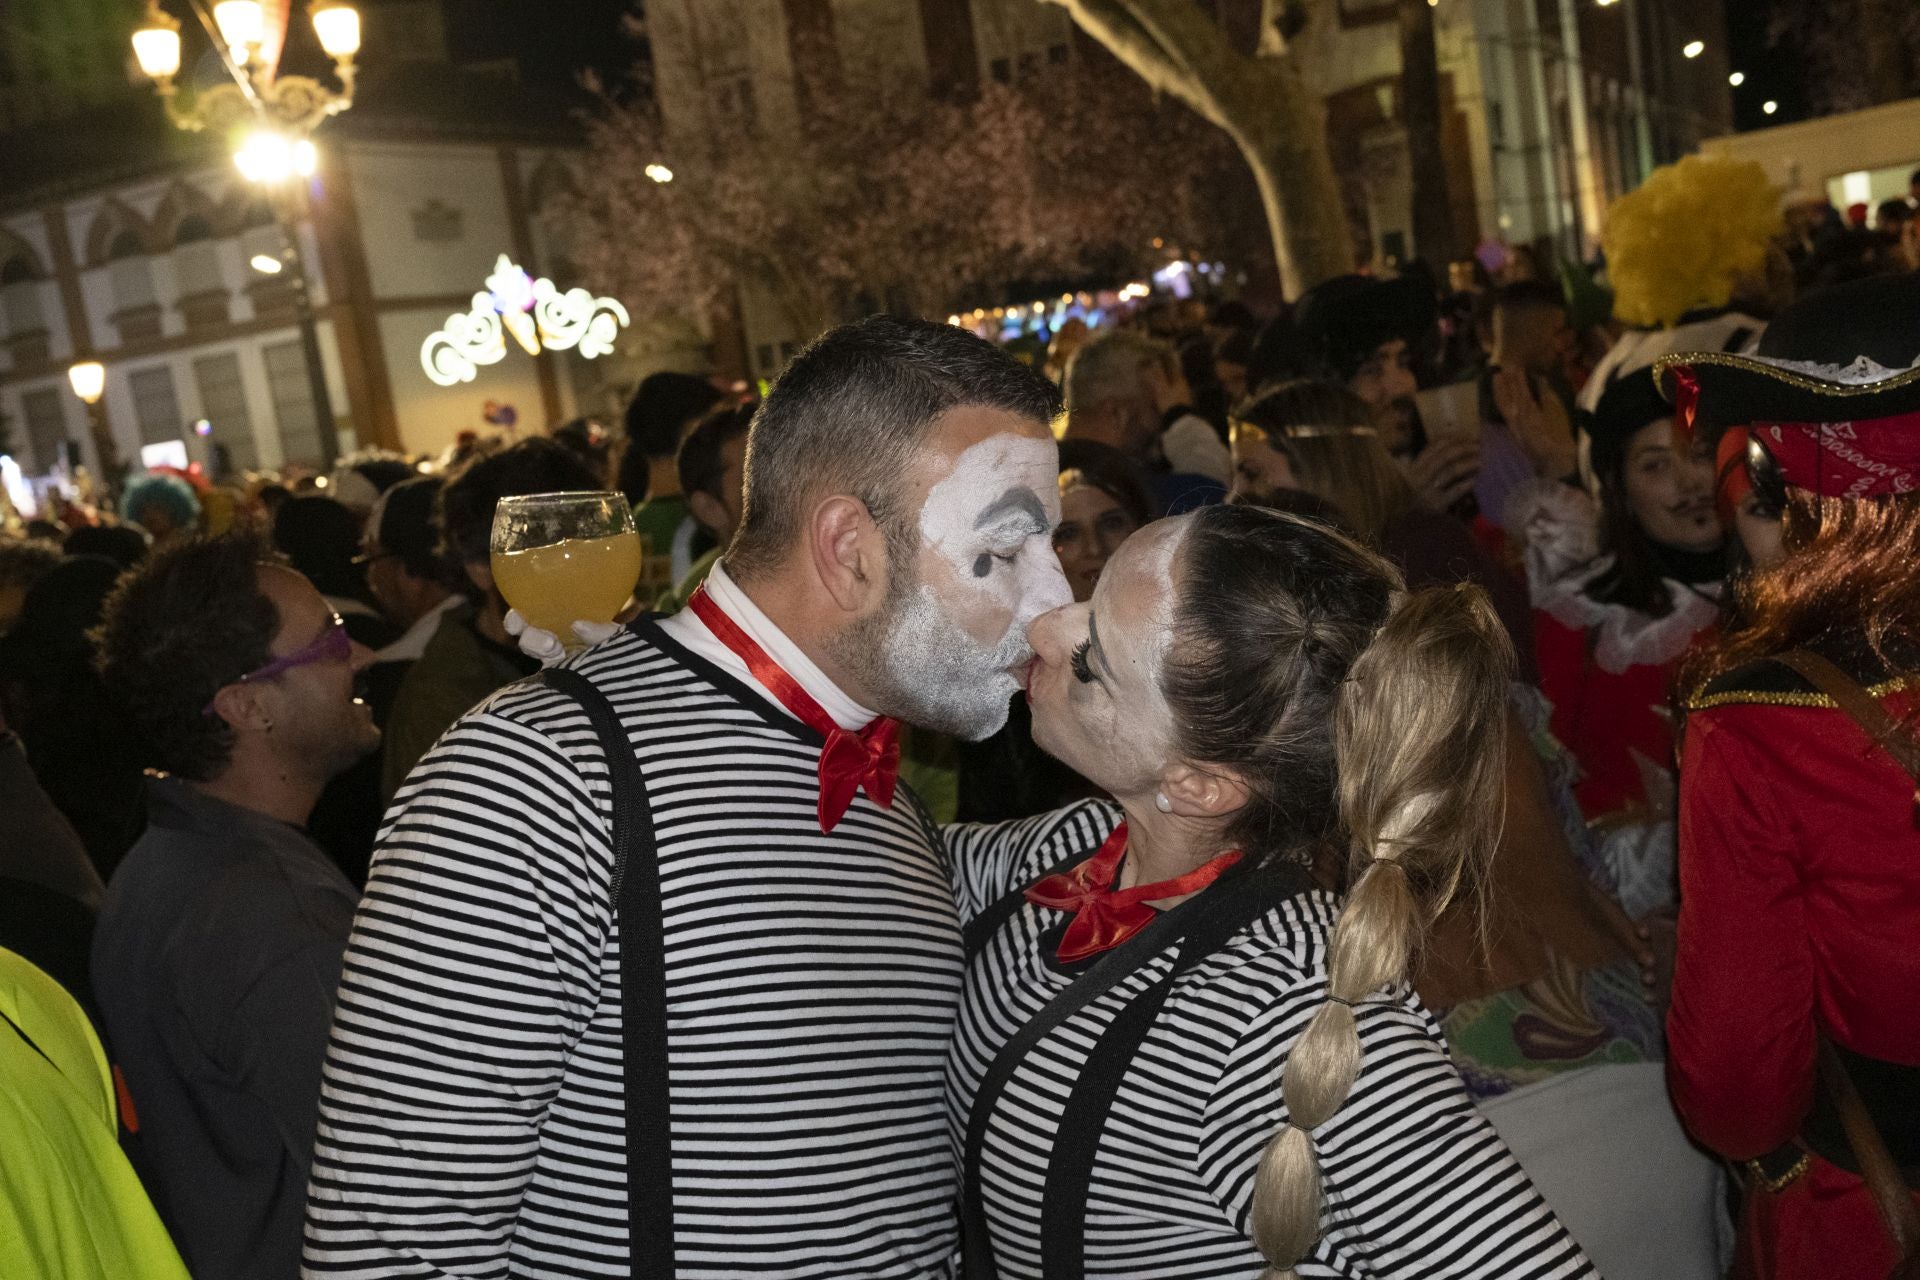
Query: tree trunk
point(1282, 133)
point(1433, 230)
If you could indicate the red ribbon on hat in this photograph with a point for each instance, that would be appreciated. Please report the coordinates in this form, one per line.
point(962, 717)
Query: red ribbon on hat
point(1686, 399)
point(1103, 917)
point(848, 761)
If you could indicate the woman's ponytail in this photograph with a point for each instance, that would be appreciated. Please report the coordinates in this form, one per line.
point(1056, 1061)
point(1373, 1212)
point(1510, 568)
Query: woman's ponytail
point(1419, 738)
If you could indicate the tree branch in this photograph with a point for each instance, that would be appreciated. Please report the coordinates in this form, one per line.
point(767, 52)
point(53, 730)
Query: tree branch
point(1113, 24)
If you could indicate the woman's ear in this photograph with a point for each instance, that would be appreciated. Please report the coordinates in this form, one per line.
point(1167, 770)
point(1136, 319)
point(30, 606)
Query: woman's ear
point(1195, 792)
point(849, 553)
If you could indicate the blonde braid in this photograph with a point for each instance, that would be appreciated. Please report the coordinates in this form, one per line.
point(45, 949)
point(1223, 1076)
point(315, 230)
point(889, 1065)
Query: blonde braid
point(1421, 807)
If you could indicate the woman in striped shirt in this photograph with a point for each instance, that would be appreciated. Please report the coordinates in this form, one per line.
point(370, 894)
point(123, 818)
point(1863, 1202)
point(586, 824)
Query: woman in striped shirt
point(1178, 1054)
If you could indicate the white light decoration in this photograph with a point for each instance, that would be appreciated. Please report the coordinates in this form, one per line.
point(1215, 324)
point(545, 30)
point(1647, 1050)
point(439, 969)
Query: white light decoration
point(1769, 106)
point(659, 173)
point(1694, 49)
point(266, 264)
point(1737, 79)
point(537, 313)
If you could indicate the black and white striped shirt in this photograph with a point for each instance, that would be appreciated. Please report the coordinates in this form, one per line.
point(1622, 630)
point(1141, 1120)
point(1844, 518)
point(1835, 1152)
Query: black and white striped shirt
point(1418, 1184)
point(471, 1120)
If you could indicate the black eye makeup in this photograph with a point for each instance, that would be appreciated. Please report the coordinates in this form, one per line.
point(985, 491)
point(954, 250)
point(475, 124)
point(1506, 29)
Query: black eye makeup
point(1082, 669)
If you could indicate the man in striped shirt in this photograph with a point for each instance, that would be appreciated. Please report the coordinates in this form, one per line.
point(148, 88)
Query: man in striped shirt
point(475, 1115)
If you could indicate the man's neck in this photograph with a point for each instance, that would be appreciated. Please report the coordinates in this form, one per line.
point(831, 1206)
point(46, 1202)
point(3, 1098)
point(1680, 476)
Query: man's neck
point(793, 604)
point(663, 479)
point(257, 780)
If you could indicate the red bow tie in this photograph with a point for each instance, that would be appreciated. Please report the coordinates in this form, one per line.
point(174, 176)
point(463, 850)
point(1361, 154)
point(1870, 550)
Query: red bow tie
point(1103, 918)
point(849, 761)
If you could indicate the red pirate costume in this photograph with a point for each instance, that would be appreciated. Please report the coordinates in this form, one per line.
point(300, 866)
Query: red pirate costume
point(1799, 853)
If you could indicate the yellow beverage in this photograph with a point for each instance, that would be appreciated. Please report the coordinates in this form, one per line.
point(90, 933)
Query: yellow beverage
point(578, 580)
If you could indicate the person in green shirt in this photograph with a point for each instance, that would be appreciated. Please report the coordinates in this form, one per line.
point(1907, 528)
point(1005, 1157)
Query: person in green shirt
point(712, 468)
point(663, 409)
point(70, 1203)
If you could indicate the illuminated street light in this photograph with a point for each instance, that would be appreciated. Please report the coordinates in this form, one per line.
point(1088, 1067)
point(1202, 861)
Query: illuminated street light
point(659, 173)
point(156, 45)
point(337, 24)
point(1737, 79)
point(268, 156)
point(89, 379)
point(243, 26)
point(1606, 4)
point(1769, 106)
point(266, 264)
point(1694, 49)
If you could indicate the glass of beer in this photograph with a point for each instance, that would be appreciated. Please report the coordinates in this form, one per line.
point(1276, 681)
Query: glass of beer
point(561, 558)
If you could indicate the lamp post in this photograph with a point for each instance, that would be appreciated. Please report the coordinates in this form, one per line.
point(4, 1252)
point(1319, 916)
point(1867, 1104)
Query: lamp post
point(89, 382)
point(274, 117)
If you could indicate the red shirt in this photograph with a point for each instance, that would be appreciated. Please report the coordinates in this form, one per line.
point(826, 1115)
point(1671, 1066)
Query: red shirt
point(1799, 894)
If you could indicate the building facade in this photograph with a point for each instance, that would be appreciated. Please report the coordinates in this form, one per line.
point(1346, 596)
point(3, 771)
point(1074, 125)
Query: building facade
point(136, 246)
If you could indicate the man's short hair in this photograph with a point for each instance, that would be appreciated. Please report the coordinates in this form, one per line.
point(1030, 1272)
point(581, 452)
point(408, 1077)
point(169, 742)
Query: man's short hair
point(702, 461)
point(851, 410)
point(1112, 366)
point(536, 465)
point(176, 630)
point(24, 561)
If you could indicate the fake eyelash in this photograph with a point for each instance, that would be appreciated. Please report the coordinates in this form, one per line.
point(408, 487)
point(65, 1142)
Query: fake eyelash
point(1082, 671)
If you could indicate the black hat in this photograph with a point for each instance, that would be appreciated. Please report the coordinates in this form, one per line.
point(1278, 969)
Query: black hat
point(1345, 320)
point(1810, 366)
point(1629, 404)
point(402, 523)
point(1833, 392)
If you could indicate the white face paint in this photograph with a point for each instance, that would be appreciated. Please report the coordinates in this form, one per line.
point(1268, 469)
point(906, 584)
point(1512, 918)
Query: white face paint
point(959, 647)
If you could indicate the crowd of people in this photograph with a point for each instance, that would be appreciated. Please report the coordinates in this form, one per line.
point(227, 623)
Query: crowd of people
point(1421, 784)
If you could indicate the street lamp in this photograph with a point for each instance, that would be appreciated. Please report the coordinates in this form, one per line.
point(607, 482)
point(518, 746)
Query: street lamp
point(274, 117)
point(89, 381)
point(1693, 49)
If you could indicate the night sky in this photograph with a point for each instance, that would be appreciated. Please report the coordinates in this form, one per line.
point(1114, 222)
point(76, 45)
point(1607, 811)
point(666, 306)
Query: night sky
point(1771, 73)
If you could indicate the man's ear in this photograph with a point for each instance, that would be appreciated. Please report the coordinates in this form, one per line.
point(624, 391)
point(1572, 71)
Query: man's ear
point(708, 510)
point(239, 706)
point(849, 553)
point(1203, 793)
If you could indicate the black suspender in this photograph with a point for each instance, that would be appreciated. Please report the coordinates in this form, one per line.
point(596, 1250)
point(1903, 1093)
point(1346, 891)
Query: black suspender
point(1200, 927)
point(635, 892)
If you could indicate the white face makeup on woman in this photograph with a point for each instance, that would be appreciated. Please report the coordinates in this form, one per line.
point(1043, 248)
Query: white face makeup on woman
point(1097, 704)
point(956, 648)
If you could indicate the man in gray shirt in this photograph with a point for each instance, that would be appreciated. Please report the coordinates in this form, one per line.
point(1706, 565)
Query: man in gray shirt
point(219, 941)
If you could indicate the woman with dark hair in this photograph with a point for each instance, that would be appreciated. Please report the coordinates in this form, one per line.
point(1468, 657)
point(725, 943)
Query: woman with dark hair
point(1795, 1035)
point(1622, 589)
point(1269, 709)
point(1103, 499)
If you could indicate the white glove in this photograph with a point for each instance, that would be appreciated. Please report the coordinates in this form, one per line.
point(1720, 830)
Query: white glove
point(544, 647)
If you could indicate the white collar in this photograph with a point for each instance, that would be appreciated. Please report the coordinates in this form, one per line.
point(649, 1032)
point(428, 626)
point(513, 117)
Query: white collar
point(413, 641)
point(686, 628)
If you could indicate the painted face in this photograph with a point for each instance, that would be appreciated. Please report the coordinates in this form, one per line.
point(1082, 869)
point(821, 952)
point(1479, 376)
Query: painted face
point(1097, 703)
point(1670, 490)
point(956, 650)
point(1092, 527)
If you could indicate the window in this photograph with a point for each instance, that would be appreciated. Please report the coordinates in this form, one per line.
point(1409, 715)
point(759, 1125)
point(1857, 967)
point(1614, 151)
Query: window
point(125, 245)
point(1002, 70)
point(127, 271)
point(45, 411)
point(192, 227)
point(156, 407)
point(223, 398)
point(1057, 54)
point(293, 407)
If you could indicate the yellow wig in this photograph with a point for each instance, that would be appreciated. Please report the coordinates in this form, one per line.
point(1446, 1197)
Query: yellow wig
point(1685, 237)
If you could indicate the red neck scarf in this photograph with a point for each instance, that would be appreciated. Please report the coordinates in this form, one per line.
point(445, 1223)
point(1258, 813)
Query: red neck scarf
point(1103, 917)
point(849, 761)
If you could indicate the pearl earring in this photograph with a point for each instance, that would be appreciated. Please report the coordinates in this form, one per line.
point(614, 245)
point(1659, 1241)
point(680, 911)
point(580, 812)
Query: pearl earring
point(1161, 802)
